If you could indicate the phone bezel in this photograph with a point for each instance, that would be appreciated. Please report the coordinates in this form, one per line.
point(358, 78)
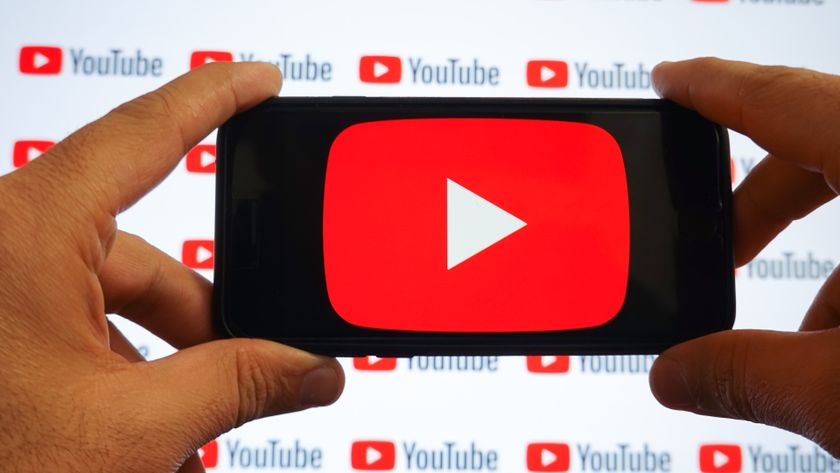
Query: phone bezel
point(393, 343)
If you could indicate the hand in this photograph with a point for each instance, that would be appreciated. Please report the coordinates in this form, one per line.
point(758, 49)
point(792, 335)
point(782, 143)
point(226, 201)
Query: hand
point(789, 380)
point(73, 396)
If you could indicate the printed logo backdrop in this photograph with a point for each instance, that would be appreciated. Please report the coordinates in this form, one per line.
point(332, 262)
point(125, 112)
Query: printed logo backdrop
point(63, 64)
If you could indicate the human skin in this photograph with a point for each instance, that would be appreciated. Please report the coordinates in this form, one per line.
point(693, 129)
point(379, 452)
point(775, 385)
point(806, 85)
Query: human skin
point(74, 394)
point(789, 380)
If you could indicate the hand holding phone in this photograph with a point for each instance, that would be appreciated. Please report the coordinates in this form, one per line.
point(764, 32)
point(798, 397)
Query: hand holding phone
point(789, 380)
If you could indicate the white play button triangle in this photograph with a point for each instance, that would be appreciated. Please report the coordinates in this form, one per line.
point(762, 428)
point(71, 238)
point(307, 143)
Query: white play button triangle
point(39, 60)
point(372, 455)
point(32, 153)
point(547, 361)
point(202, 254)
point(546, 74)
point(719, 459)
point(473, 224)
point(547, 457)
point(379, 69)
point(207, 158)
point(372, 360)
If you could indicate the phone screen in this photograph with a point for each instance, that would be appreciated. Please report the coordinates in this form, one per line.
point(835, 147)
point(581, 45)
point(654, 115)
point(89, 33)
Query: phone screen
point(462, 225)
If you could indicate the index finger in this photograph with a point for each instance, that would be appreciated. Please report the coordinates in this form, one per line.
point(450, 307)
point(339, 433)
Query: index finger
point(109, 164)
point(792, 113)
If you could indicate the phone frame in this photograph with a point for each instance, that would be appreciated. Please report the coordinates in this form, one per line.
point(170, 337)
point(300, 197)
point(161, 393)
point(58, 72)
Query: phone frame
point(395, 343)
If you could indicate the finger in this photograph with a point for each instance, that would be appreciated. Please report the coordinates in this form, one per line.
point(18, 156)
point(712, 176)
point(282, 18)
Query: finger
point(789, 380)
point(121, 346)
point(107, 165)
point(126, 349)
point(824, 312)
point(792, 113)
point(774, 193)
point(192, 465)
point(150, 288)
point(203, 391)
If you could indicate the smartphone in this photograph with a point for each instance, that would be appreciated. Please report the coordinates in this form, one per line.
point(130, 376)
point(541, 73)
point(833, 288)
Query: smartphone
point(354, 226)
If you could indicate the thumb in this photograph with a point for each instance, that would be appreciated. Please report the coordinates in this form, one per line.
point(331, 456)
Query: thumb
point(788, 380)
point(203, 391)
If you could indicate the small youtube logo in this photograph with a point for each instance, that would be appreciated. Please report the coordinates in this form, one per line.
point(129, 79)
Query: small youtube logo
point(380, 69)
point(209, 454)
point(197, 254)
point(25, 151)
point(374, 363)
point(548, 364)
point(548, 457)
point(200, 58)
point(40, 60)
point(720, 458)
point(202, 159)
point(546, 73)
point(373, 455)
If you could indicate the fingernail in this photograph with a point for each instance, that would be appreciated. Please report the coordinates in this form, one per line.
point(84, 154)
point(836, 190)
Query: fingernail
point(669, 385)
point(320, 387)
point(654, 76)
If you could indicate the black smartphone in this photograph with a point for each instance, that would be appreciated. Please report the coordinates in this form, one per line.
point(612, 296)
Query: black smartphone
point(354, 226)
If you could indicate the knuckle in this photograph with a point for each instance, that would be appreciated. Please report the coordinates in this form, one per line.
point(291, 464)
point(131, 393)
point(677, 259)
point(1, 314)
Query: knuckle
point(158, 111)
point(732, 395)
point(258, 391)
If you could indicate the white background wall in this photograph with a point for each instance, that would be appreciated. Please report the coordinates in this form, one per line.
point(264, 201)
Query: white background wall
point(502, 410)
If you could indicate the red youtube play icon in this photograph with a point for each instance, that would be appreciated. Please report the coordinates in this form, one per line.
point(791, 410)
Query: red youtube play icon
point(380, 69)
point(545, 73)
point(374, 363)
point(548, 364)
point(202, 159)
point(373, 455)
point(720, 458)
point(197, 254)
point(200, 58)
point(209, 454)
point(548, 457)
point(476, 225)
point(25, 151)
point(42, 60)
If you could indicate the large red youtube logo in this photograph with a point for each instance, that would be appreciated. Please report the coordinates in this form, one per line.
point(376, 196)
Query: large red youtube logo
point(25, 151)
point(200, 58)
point(373, 455)
point(209, 454)
point(720, 458)
point(548, 457)
point(198, 254)
point(380, 69)
point(548, 364)
point(374, 363)
point(546, 73)
point(40, 60)
point(202, 159)
point(476, 225)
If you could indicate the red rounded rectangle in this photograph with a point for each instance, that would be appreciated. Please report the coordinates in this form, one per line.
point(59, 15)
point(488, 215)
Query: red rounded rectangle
point(476, 225)
point(548, 456)
point(42, 60)
point(373, 455)
point(380, 69)
point(547, 73)
point(25, 151)
point(720, 458)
